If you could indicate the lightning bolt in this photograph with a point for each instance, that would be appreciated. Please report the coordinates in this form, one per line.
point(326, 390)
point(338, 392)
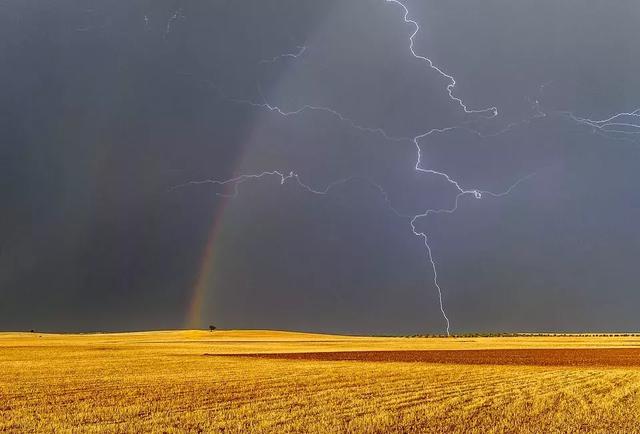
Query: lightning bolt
point(485, 113)
point(623, 126)
point(284, 177)
point(423, 235)
point(300, 52)
point(490, 112)
point(305, 108)
point(493, 111)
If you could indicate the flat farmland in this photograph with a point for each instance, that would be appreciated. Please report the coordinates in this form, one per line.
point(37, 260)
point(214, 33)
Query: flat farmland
point(267, 381)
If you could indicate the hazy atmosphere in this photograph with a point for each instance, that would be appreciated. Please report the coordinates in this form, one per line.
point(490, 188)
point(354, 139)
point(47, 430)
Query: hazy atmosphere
point(127, 128)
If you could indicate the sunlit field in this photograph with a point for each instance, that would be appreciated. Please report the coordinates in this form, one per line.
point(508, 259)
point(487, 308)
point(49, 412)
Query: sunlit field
point(260, 381)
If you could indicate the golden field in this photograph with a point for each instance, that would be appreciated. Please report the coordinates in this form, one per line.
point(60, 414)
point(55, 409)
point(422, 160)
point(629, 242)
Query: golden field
point(200, 381)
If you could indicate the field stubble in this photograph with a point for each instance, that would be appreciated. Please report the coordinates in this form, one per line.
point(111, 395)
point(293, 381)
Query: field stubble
point(212, 382)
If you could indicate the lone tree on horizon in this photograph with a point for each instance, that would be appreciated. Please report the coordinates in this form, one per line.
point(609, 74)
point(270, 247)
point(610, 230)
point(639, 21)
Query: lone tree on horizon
point(212, 328)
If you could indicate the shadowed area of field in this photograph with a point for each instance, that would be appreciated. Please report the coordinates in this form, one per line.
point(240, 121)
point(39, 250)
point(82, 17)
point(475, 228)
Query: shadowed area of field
point(594, 357)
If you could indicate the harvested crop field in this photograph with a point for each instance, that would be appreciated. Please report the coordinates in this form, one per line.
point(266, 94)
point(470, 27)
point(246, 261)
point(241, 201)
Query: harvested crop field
point(263, 382)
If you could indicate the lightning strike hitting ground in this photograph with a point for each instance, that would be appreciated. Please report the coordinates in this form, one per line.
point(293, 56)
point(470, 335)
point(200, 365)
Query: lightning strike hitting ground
point(484, 113)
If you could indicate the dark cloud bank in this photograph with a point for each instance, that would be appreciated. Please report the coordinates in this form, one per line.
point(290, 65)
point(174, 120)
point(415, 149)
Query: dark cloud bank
point(106, 105)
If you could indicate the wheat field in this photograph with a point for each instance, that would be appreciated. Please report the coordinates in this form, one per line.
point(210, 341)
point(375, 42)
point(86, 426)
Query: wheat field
point(261, 381)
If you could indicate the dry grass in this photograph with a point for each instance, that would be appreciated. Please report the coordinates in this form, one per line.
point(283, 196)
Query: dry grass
point(164, 382)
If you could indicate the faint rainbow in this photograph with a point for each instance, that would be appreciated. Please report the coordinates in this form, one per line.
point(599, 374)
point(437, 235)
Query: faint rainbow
point(203, 281)
point(205, 270)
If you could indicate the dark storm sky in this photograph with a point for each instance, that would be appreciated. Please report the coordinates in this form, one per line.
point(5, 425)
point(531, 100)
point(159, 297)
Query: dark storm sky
point(105, 105)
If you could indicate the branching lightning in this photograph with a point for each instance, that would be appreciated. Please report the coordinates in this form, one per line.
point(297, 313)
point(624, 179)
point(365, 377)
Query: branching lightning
point(306, 108)
point(492, 111)
point(624, 125)
point(300, 52)
point(484, 113)
point(421, 234)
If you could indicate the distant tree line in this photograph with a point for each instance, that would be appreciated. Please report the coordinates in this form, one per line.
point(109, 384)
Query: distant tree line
point(515, 335)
